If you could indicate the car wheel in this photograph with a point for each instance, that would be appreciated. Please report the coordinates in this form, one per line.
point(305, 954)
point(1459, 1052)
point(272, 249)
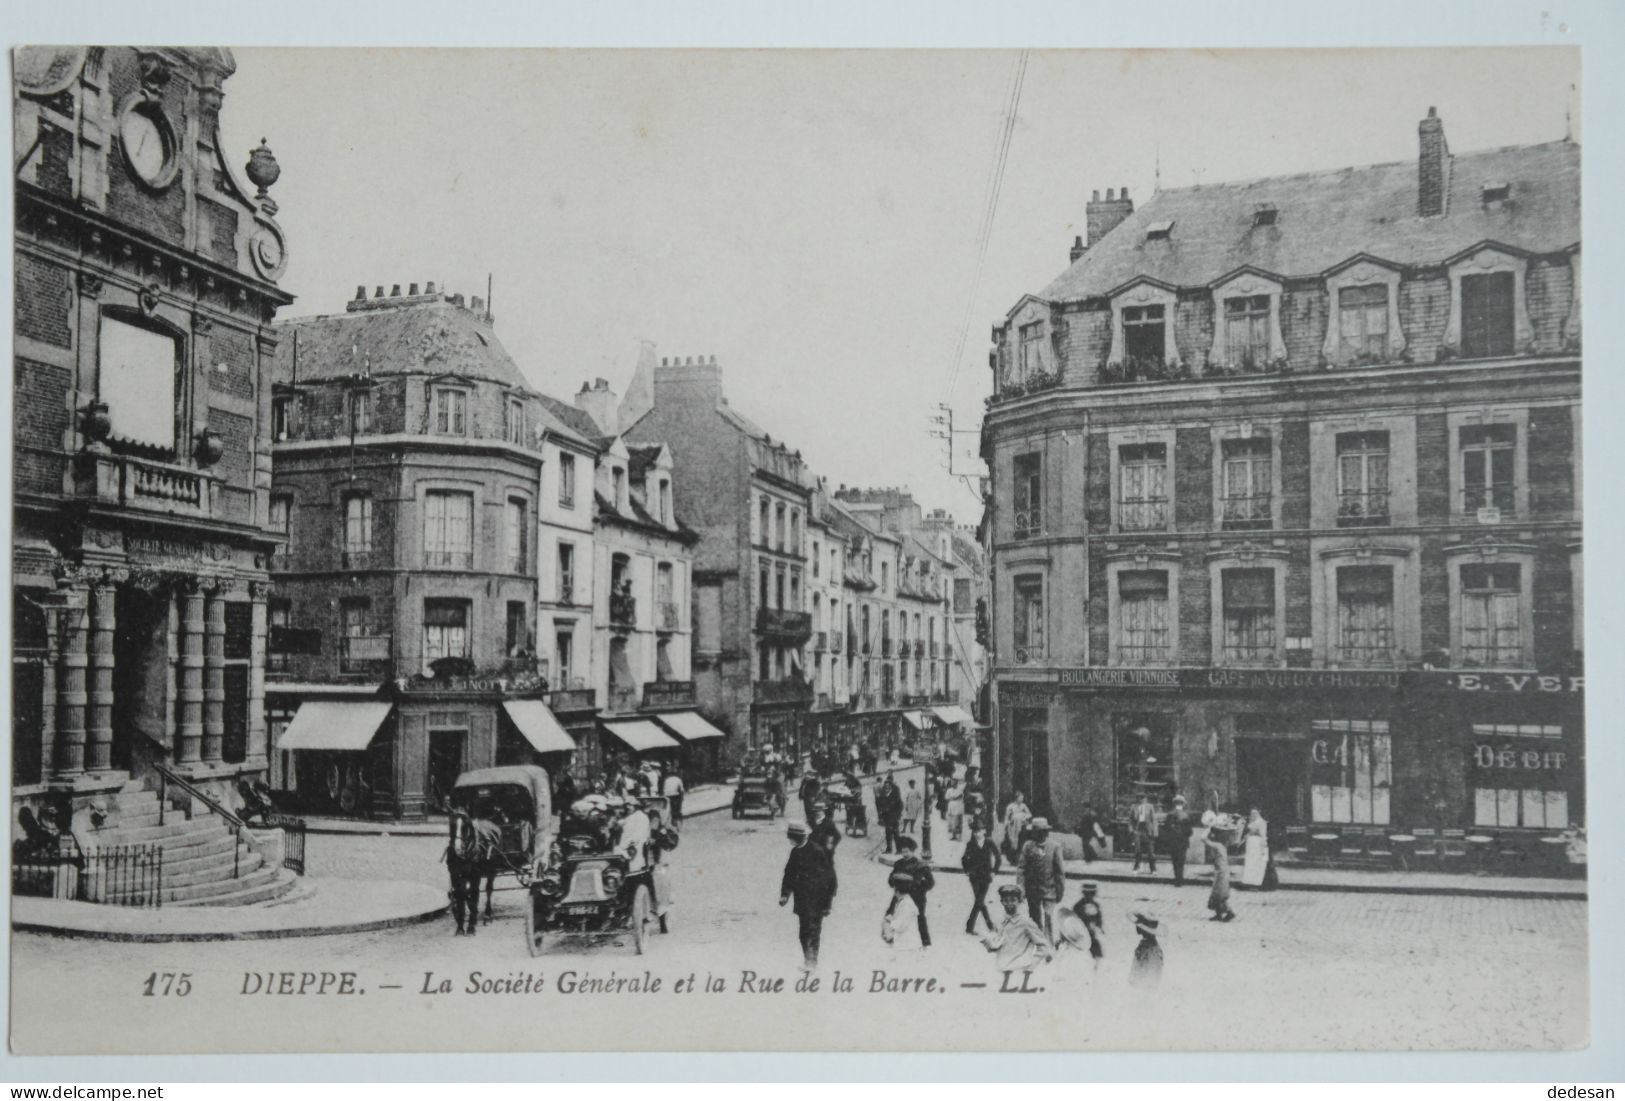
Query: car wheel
point(533, 930)
point(640, 921)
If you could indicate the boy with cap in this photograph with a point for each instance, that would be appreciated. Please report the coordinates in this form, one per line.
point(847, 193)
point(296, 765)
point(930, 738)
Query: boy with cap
point(809, 878)
point(1146, 970)
point(911, 877)
point(1021, 945)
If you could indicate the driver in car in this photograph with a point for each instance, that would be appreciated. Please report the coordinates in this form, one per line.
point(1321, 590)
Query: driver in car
point(632, 835)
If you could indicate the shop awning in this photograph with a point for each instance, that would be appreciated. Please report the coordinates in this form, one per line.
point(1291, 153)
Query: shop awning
point(641, 735)
point(953, 714)
point(916, 719)
point(539, 727)
point(688, 725)
point(334, 724)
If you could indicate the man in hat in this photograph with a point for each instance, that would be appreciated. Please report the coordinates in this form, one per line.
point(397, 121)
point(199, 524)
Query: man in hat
point(911, 877)
point(1177, 828)
point(980, 862)
point(1085, 922)
point(889, 806)
point(808, 794)
point(824, 833)
point(1146, 970)
point(1021, 945)
point(809, 879)
point(1043, 874)
point(913, 805)
point(1143, 817)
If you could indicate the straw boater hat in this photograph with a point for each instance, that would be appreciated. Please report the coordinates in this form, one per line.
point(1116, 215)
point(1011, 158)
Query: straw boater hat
point(1009, 890)
point(795, 831)
point(1039, 825)
point(1209, 819)
point(1145, 923)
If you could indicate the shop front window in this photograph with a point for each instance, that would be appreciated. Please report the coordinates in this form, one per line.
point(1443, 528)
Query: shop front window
point(1351, 771)
point(1144, 745)
point(1517, 776)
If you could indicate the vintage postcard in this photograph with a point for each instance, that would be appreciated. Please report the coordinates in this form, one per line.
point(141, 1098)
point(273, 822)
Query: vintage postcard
point(850, 550)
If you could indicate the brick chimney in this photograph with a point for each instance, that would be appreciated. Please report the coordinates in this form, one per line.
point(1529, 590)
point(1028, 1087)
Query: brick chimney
point(1432, 166)
point(597, 400)
point(1101, 216)
point(1077, 250)
point(686, 383)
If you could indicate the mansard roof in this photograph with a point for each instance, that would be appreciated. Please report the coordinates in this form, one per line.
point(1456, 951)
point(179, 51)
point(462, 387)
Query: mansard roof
point(1324, 218)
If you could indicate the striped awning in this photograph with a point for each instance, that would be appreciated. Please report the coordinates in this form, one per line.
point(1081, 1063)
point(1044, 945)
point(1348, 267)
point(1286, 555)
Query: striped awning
point(688, 725)
point(916, 719)
point(334, 724)
point(538, 726)
point(953, 714)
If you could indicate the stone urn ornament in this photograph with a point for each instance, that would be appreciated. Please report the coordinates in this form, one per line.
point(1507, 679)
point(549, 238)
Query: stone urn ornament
point(96, 422)
point(210, 448)
point(263, 170)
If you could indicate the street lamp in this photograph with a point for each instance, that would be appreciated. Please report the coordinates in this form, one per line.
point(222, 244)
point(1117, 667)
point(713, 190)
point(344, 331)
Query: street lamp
point(925, 818)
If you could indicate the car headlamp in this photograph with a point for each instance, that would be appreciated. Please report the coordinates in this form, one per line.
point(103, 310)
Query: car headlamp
point(612, 880)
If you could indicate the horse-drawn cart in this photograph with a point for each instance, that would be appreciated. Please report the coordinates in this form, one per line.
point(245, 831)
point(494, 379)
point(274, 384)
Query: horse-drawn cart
point(501, 823)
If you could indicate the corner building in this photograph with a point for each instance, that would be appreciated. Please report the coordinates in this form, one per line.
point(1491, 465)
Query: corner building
point(1286, 505)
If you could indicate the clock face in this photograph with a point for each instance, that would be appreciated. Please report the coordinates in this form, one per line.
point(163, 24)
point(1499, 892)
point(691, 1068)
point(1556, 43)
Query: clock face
point(148, 145)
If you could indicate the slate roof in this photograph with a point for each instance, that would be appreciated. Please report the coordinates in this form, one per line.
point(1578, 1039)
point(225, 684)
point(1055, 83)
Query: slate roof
point(577, 420)
point(424, 338)
point(1325, 218)
point(641, 518)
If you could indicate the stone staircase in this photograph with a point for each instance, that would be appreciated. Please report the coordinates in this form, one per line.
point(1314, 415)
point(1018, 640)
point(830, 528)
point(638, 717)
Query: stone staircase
point(204, 863)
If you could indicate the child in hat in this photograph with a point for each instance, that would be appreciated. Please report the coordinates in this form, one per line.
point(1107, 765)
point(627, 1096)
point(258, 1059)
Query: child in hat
point(1146, 970)
point(1020, 943)
point(1083, 923)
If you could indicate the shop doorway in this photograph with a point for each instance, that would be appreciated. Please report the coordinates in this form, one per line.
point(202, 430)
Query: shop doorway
point(445, 765)
point(1272, 775)
point(1029, 773)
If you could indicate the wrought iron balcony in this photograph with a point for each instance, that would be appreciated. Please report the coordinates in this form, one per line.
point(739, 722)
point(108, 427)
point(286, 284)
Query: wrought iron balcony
point(622, 699)
point(1477, 498)
point(787, 690)
point(666, 616)
point(448, 559)
point(1142, 514)
point(1248, 513)
point(364, 654)
point(623, 610)
point(1029, 523)
point(567, 592)
point(1361, 510)
point(781, 623)
point(1142, 653)
point(572, 699)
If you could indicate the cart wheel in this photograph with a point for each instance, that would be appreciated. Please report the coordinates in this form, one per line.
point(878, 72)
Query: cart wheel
point(533, 933)
point(640, 921)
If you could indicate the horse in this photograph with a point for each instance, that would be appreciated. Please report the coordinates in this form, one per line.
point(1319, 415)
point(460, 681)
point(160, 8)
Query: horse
point(473, 853)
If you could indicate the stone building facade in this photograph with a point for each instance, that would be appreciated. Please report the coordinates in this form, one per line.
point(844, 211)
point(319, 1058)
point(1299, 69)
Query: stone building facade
point(146, 282)
point(1286, 500)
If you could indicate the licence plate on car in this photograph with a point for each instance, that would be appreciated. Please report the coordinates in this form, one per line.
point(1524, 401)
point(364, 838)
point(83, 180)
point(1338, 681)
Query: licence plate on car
point(579, 908)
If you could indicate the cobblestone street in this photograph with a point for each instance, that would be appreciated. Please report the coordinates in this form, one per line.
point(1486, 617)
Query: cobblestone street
point(1296, 970)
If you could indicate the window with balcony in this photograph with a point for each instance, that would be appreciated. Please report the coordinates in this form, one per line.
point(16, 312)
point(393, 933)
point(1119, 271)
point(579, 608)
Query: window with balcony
point(563, 657)
point(567, 480)
point(448, 530)
point(516, 534)
point(666, 596)
point(1488, 459)
point(513, 423)
point(1249, 616)
point(1365, 615)
point(445, 630)
point(139, 366)
point(1142, 503)
point(1144, 630)
point(1492, 614)
point(1362, 479)
point(1488, 314)
point(567, 573)
point(764, 585)
point(1248, 484)
point(360, 412)
point(1362, 323)
point(1145, 339)
point(277, 615)
point(450, 411)
point(516, 637)
point(363, 648)
point(1028, 496)
point(1247, 331)
point(622, 605)
point(357, 529)
point(1028, 613)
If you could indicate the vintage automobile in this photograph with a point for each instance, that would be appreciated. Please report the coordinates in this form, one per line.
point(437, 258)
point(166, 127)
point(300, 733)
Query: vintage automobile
point(755, 792)
point(590, 884)
point(519, 800)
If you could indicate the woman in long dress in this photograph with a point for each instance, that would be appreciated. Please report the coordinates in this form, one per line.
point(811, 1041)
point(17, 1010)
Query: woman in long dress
point(1257, 851)
point(1218, 900)
point(1016, 817)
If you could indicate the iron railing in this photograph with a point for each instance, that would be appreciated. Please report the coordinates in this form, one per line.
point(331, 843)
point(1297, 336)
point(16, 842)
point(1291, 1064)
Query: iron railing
point(1142, 514)
point(293, 840)
point(1246, 513)
point(116, 875)
point(1358, 510)
point(1029, 522)
point(1474, 498)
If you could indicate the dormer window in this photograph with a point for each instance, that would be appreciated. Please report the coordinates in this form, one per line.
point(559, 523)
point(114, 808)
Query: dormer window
point(1144, 332)
point(360, 412)
point(514, 422)
point(1159, 231)
point(1495, 193)
point(1143, 336)
point(450, 411)
point(1264, 214)
point(617, 483)
point(1032, 349)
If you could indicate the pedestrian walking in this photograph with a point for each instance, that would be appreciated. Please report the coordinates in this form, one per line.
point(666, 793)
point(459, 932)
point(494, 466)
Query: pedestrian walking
point(889, 806)
point(1255, 867)
point(1082, 924)
point(975, 802)
point(913, 806)
point(1144, 820)
point(809, 880)
point(1043, 875)
point(808, 794)
point(956, 810)
point(1218, 855)
point(825, 833)
point(564, 792)
point(1016, 817)
point(674, 789)
point(1021, 945)
point(980, 863)
point(1177, 828)
point(1146, 970)
point(911, 878)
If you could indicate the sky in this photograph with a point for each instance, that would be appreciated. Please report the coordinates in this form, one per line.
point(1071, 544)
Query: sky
point(811, 218)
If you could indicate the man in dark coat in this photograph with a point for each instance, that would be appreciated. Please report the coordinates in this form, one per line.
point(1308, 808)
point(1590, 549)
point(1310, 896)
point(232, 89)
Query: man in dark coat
point(1043, 876)
point(889, 806)
point(809, 879)
point(808, 794)
point(1177, 827)
point(981, 863)
point(825, 833)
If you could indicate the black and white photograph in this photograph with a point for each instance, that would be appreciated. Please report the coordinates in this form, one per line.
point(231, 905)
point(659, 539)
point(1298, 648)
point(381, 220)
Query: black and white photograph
point(852, 550)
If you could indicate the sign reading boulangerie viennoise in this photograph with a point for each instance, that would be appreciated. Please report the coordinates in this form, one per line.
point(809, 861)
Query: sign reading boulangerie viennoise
point(1207, 675)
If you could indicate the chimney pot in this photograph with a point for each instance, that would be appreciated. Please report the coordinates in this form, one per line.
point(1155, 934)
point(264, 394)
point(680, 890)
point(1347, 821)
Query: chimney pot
point(1432, 165)
point(1094, 196)
point(413, 291)
point(713, 358)
point(430, 288)
point(395, 291)
point(1122, 193)
point(663, 362)
point(360, 293)
point(378, 292)
point(1111, 193)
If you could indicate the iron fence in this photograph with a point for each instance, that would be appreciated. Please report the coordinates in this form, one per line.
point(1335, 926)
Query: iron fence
point(293, 840)
point(116, 875)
